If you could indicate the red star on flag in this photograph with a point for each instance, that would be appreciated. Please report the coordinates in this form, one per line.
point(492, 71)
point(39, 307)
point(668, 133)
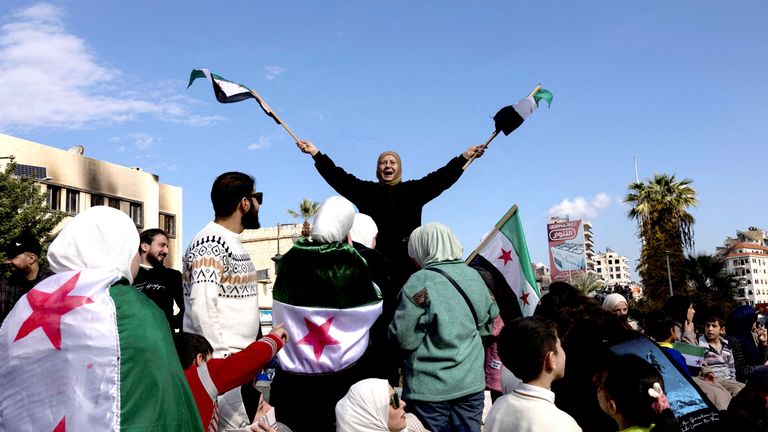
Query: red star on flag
point(62, 426)
point(524, 298)
point(698, 362)
point(47, 310)
point(506, 255)
point(318, 337)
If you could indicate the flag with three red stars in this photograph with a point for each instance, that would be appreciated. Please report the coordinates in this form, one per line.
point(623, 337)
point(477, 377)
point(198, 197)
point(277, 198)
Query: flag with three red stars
point(83, 352)
point(324, 296)
point(504, 253)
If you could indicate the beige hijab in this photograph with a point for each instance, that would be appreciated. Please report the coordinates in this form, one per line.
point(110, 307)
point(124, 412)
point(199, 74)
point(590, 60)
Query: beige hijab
point(433, 243)
point(398, 174)
point(612, 300)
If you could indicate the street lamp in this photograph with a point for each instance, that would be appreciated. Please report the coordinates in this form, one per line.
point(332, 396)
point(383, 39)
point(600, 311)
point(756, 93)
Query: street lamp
point(669, 274)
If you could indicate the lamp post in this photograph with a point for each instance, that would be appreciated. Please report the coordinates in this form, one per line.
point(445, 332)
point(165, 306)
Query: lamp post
point(669, 274)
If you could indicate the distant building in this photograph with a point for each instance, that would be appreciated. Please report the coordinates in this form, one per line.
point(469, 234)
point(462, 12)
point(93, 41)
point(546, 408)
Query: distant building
point(752, 235)
point(571, 247)
point(613, 268)
point(748, 262)
point(543, 279)
point(265, 246)
point(75, 182)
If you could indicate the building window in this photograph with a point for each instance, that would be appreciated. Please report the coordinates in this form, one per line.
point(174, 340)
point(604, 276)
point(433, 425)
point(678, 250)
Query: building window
point(168, 223)
point(114, 203)
point(54, 197)
point(137, 214)
point(73, 201)
point(97, 200)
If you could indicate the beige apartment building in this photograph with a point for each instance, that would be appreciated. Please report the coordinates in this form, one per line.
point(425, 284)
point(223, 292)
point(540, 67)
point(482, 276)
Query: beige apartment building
point(75, 182)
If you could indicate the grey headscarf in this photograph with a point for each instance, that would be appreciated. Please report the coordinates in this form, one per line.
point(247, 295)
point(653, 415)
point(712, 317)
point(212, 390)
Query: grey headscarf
point(433, 243)
point(333, 220)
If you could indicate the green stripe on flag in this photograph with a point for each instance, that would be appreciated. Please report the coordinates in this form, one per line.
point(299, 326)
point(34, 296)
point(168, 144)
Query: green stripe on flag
point(693, 354)
point(513, 230)
point(545, 95)
point(148, 357)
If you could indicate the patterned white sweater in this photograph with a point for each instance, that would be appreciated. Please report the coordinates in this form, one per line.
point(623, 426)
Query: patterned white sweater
point(220, 290)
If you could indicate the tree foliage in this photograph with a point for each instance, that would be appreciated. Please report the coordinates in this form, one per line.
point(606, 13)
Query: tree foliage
point(307, 209)
point(588, 282)
point(24, 206)
point(665, 227)
point(713, 287)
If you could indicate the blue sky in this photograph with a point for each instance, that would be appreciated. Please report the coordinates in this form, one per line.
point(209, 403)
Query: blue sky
point(680, 85)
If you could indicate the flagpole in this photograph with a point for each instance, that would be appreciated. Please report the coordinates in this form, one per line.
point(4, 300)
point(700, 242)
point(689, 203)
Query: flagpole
point(279, 120)
point(496, 229)
point(466, 165)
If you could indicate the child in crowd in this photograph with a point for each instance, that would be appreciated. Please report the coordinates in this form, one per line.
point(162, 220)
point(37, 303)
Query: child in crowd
point(208, 377)
point(631, 391)
point(530, 348)
point(718, 360)
point(663, 329)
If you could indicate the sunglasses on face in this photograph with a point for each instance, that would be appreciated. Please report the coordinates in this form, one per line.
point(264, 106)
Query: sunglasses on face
point(394, 401)
point(259, 196)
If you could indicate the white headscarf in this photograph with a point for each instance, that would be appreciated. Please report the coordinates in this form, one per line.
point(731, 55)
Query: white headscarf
point(364, 230)
point(99, 237)
point(365, 408)
point(434, 242)
point(333, 220)
point(611, 300)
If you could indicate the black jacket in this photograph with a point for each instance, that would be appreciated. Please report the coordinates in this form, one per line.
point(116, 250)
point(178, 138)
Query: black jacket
point(163, 285)
point(395, 209)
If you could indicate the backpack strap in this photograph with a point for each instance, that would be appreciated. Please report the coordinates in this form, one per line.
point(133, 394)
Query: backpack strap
point(459, 289)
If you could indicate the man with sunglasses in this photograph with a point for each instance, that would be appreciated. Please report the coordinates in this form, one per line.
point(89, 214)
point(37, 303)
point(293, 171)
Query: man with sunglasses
point(220, 289)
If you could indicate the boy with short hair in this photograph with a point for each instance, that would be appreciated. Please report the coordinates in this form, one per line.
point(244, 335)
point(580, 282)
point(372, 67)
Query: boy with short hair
point(530, 348)
point(208, 377)
point(718, 360)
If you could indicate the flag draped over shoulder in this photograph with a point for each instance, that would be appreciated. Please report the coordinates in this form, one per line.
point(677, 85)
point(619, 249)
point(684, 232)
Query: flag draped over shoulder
point(326, 299)
point(79, 354)
point(504, 254)
point(511, 117)
point(227, 91)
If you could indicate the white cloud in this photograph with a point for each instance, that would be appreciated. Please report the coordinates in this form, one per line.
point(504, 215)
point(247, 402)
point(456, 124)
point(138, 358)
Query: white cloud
point(52, 78)
point(264, 141)
point(580, 207)
point(142, 141)
point(271, 72)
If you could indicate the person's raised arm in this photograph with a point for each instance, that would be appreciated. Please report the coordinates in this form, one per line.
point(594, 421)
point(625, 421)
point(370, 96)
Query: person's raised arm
point(345, 184)
point(433, 184)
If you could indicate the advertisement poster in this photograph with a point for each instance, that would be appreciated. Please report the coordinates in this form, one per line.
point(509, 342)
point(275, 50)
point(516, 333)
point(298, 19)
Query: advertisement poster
point(567, 257)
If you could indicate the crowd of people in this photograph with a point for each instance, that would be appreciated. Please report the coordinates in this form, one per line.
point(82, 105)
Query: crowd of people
point(379, 325)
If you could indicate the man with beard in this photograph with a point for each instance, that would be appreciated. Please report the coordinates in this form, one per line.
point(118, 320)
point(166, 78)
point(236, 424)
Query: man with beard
point(162, 285)
point(219, 278)
point(22, 256)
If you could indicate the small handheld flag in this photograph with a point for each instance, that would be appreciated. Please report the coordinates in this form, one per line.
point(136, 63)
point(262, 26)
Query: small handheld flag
point(511, 117)
point(228, 92)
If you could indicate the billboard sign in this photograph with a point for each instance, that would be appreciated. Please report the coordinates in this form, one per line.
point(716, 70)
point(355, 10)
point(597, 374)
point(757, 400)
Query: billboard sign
point(567, 256)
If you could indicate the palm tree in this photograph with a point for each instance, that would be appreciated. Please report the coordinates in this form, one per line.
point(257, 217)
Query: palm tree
point(588, 282)
point(714, 286)
point(307, 209)
point(665, 228)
